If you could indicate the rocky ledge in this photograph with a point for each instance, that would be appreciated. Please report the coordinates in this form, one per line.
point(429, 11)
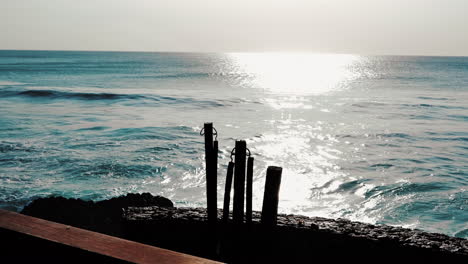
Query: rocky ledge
point(102, 216)
point(295, 239)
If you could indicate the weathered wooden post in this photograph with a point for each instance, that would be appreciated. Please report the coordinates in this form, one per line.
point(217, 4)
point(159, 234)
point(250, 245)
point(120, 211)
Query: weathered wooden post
point(211, 155)
point(239, 182)
point(227, 191)
point(271, 196)
point(214, 184)
point(248, 206)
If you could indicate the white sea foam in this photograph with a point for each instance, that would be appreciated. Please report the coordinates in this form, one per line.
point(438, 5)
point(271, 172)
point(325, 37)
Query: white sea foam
point(4, 83)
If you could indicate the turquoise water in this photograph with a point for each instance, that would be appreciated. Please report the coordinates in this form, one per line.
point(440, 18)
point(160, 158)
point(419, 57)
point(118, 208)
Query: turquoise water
point(367, 138)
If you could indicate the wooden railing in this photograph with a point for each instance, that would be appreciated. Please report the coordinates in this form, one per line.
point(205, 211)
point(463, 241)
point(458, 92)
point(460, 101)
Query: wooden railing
point(116, 248)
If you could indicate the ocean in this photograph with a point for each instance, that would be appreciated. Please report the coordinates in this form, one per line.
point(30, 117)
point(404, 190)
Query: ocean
point(376, 139)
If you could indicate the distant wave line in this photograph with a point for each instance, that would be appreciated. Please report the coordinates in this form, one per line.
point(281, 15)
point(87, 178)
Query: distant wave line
point(51, 94)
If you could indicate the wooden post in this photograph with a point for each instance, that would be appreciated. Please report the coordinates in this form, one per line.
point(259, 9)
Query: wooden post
point(248, 206)
point(227, 191)
point(211, 181)
point(214, 184)
point(271, 196)
point(239, 182)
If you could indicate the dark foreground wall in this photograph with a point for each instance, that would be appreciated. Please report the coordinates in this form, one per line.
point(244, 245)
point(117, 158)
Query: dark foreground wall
point(296, 239)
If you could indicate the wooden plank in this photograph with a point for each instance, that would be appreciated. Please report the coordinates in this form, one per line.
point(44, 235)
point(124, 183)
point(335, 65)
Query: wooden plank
point(94, 242)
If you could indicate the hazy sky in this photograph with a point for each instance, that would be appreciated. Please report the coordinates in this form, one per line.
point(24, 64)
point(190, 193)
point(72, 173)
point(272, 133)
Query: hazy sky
point(418, 27)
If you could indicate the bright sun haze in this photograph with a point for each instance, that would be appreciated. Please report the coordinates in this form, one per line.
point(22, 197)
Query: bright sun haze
point(417, 27)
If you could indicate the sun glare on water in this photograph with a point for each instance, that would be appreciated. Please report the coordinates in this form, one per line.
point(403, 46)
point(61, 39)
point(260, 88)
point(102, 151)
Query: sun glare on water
point(295, 73)
point(297, 137)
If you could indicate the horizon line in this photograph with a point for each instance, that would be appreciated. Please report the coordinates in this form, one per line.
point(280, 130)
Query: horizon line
point(227, 52)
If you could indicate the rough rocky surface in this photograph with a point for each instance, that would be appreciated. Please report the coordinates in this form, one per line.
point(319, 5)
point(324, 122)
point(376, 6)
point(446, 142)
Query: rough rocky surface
point(103, 216)
point(295, 239)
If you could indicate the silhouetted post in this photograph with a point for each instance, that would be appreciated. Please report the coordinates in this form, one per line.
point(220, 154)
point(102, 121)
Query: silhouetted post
point(239, 182)
point(227, 191)
point(211, 156)
point(214, 184)
point(271, 196)
point(248, 206)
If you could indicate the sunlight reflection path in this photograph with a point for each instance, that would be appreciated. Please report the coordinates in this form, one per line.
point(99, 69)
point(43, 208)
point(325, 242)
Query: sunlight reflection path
point(293, 84)
point(295, 73)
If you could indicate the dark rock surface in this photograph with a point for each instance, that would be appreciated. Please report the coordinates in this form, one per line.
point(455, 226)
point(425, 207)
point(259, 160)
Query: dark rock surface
point(103, 216)
point(296, 239)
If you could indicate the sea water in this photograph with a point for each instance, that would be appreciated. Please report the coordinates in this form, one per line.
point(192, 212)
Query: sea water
point(377, 139)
